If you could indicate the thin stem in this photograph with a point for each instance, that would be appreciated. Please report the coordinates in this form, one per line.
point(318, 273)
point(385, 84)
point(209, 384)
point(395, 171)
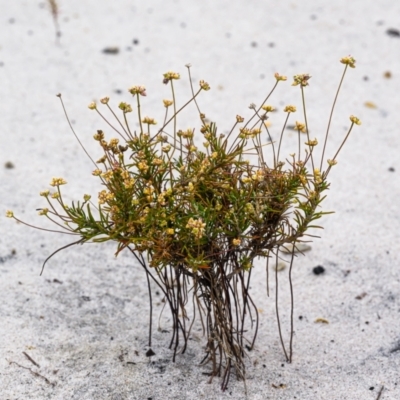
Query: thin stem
point(43, 229)
point(291, 307)
point(280, 139)
point(340, 148)
point(112, 126)
point(331, 114)
point(267, 274)
point(380, 393)
point(80, 241)
point(72, 129)
point(305, 121)
point(151, 307)
point(139, 115)
point(277, 307)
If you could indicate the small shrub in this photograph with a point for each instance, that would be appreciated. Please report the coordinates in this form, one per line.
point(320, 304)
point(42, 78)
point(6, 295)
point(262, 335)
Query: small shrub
point(196, 217)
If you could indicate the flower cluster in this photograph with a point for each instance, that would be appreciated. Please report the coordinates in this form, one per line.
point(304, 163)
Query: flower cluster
point(301, 80)
point(197, 227)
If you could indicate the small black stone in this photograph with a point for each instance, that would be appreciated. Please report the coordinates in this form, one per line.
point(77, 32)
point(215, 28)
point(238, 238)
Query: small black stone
point(371, 388)
point(393, 32)
point(391, 169)
point(318, 270)
point(135, 41)
point(300, 317)
point(150, 353)
point(9, 165)
point(111, 50)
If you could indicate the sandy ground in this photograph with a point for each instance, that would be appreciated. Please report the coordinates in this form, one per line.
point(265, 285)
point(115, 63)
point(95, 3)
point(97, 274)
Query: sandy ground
point(85, 321)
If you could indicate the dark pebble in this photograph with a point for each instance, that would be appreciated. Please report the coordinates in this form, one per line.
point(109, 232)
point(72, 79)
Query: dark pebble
point(318, 270)
point(111, 50)
point(9, 165)
point(391, 169)
point(150, 353)
point(393, 32)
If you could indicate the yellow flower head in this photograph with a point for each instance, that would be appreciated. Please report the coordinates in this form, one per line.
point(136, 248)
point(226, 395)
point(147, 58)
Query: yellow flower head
point(170, 75)
point(311, 143)
point(197, 227)
point(280, 77)
point(105, 196)
point(301, 79)
point(355, 120)
point(350, 61)
point(9, 214)
point(268, 108)
point(125, 107)
point(45, 193)
point(204, 85)
point(58, 182)
point(149, 121)
point(167, 103)
point(236, 242)
point(299, 126)
point(134, 90)
point(99, 136)
point(290, 108)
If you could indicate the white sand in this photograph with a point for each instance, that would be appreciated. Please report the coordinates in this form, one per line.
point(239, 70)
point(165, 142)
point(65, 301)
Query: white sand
point(87, 316)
